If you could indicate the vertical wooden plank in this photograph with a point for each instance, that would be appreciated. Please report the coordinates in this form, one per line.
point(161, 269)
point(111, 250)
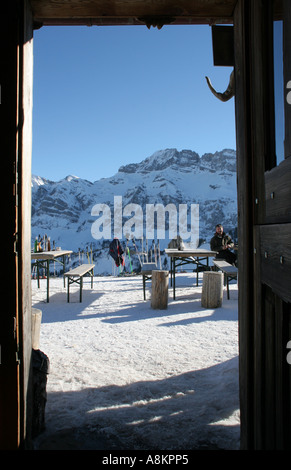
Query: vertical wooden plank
point(280, 381)
point(9, 367)
point(287, 74)
point(286, 372)
point(24, 230)
point(268, 367)
point(255, 153)
point(287, 388)
point(258, 346)
point(263, 157)
point(277, 374)
point(245, 225)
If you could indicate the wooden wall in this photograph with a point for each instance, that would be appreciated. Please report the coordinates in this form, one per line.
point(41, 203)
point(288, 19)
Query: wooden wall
point(264, 233)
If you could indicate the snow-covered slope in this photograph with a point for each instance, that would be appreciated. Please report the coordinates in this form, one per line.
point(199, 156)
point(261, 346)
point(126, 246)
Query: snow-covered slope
point(63, 209)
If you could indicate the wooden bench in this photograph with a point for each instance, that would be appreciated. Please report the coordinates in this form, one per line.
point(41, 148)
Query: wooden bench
point(77, 274)
point(229, 271)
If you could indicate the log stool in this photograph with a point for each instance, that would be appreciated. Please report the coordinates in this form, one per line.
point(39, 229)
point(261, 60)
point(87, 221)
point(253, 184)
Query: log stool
point(160, 283)
point(212, 289)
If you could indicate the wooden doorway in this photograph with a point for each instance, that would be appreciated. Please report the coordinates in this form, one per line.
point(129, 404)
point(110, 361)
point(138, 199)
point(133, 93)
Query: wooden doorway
point(263, 205)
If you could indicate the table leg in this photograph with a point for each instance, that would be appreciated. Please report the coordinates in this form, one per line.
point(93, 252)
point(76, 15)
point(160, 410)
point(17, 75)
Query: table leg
point(81, 287)
point(37, 273)
point(68, 290)
point(47, 280)
point(197, 271)
point(174, 278)
point(64, 270)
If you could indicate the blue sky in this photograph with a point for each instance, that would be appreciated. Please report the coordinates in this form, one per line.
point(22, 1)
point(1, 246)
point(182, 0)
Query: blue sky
point(108, 96)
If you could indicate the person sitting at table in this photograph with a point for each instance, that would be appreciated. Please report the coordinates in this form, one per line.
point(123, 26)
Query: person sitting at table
point(222, 243)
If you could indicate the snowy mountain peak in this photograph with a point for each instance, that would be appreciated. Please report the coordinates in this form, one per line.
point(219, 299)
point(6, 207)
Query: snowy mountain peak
point(71, 178)
point(163, 159)
point(37, 181)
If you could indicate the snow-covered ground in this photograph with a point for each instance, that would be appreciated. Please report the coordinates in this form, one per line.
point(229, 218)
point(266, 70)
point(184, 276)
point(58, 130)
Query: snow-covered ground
point(154, 379)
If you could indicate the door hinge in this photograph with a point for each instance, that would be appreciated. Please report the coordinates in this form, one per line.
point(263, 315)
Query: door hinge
point(16, 244)
point(17, 358)
point(17, 355)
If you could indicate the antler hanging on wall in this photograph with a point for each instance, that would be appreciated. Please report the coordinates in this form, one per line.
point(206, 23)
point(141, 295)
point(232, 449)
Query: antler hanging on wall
point(229, 92)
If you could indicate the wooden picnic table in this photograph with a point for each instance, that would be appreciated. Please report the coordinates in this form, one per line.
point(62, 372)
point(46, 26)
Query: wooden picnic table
point(187, 256)
point(43, 259)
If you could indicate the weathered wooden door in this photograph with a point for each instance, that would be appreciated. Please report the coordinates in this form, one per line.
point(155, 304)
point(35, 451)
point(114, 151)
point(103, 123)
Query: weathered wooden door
point(264, 207)
point(15, 319)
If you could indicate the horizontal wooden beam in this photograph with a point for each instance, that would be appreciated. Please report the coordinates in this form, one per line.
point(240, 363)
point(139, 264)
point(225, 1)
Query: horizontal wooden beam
point(134, 12)
point(110, 12)
point(129, 21)
point(127, 12)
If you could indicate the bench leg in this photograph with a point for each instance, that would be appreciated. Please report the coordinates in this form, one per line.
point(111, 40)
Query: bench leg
point(229, 278)
point(143, 284)
point(68, 290)
point(81, 286)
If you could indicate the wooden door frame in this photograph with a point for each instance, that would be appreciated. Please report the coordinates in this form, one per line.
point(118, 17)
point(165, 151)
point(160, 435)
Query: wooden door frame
point(16, 110)
point(15, 410)
point(245, 205)
point(16, 129)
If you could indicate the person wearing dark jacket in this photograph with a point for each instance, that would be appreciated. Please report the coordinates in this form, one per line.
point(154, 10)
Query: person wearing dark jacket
point(221, 243)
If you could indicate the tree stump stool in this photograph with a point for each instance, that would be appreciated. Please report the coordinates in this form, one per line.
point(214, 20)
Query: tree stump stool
point(160, 283)
point(40, 368)
point(212, 289)
point(36, 315)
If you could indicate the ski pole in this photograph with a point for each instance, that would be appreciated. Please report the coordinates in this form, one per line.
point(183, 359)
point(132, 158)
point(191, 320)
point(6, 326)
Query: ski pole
point(129, 259)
